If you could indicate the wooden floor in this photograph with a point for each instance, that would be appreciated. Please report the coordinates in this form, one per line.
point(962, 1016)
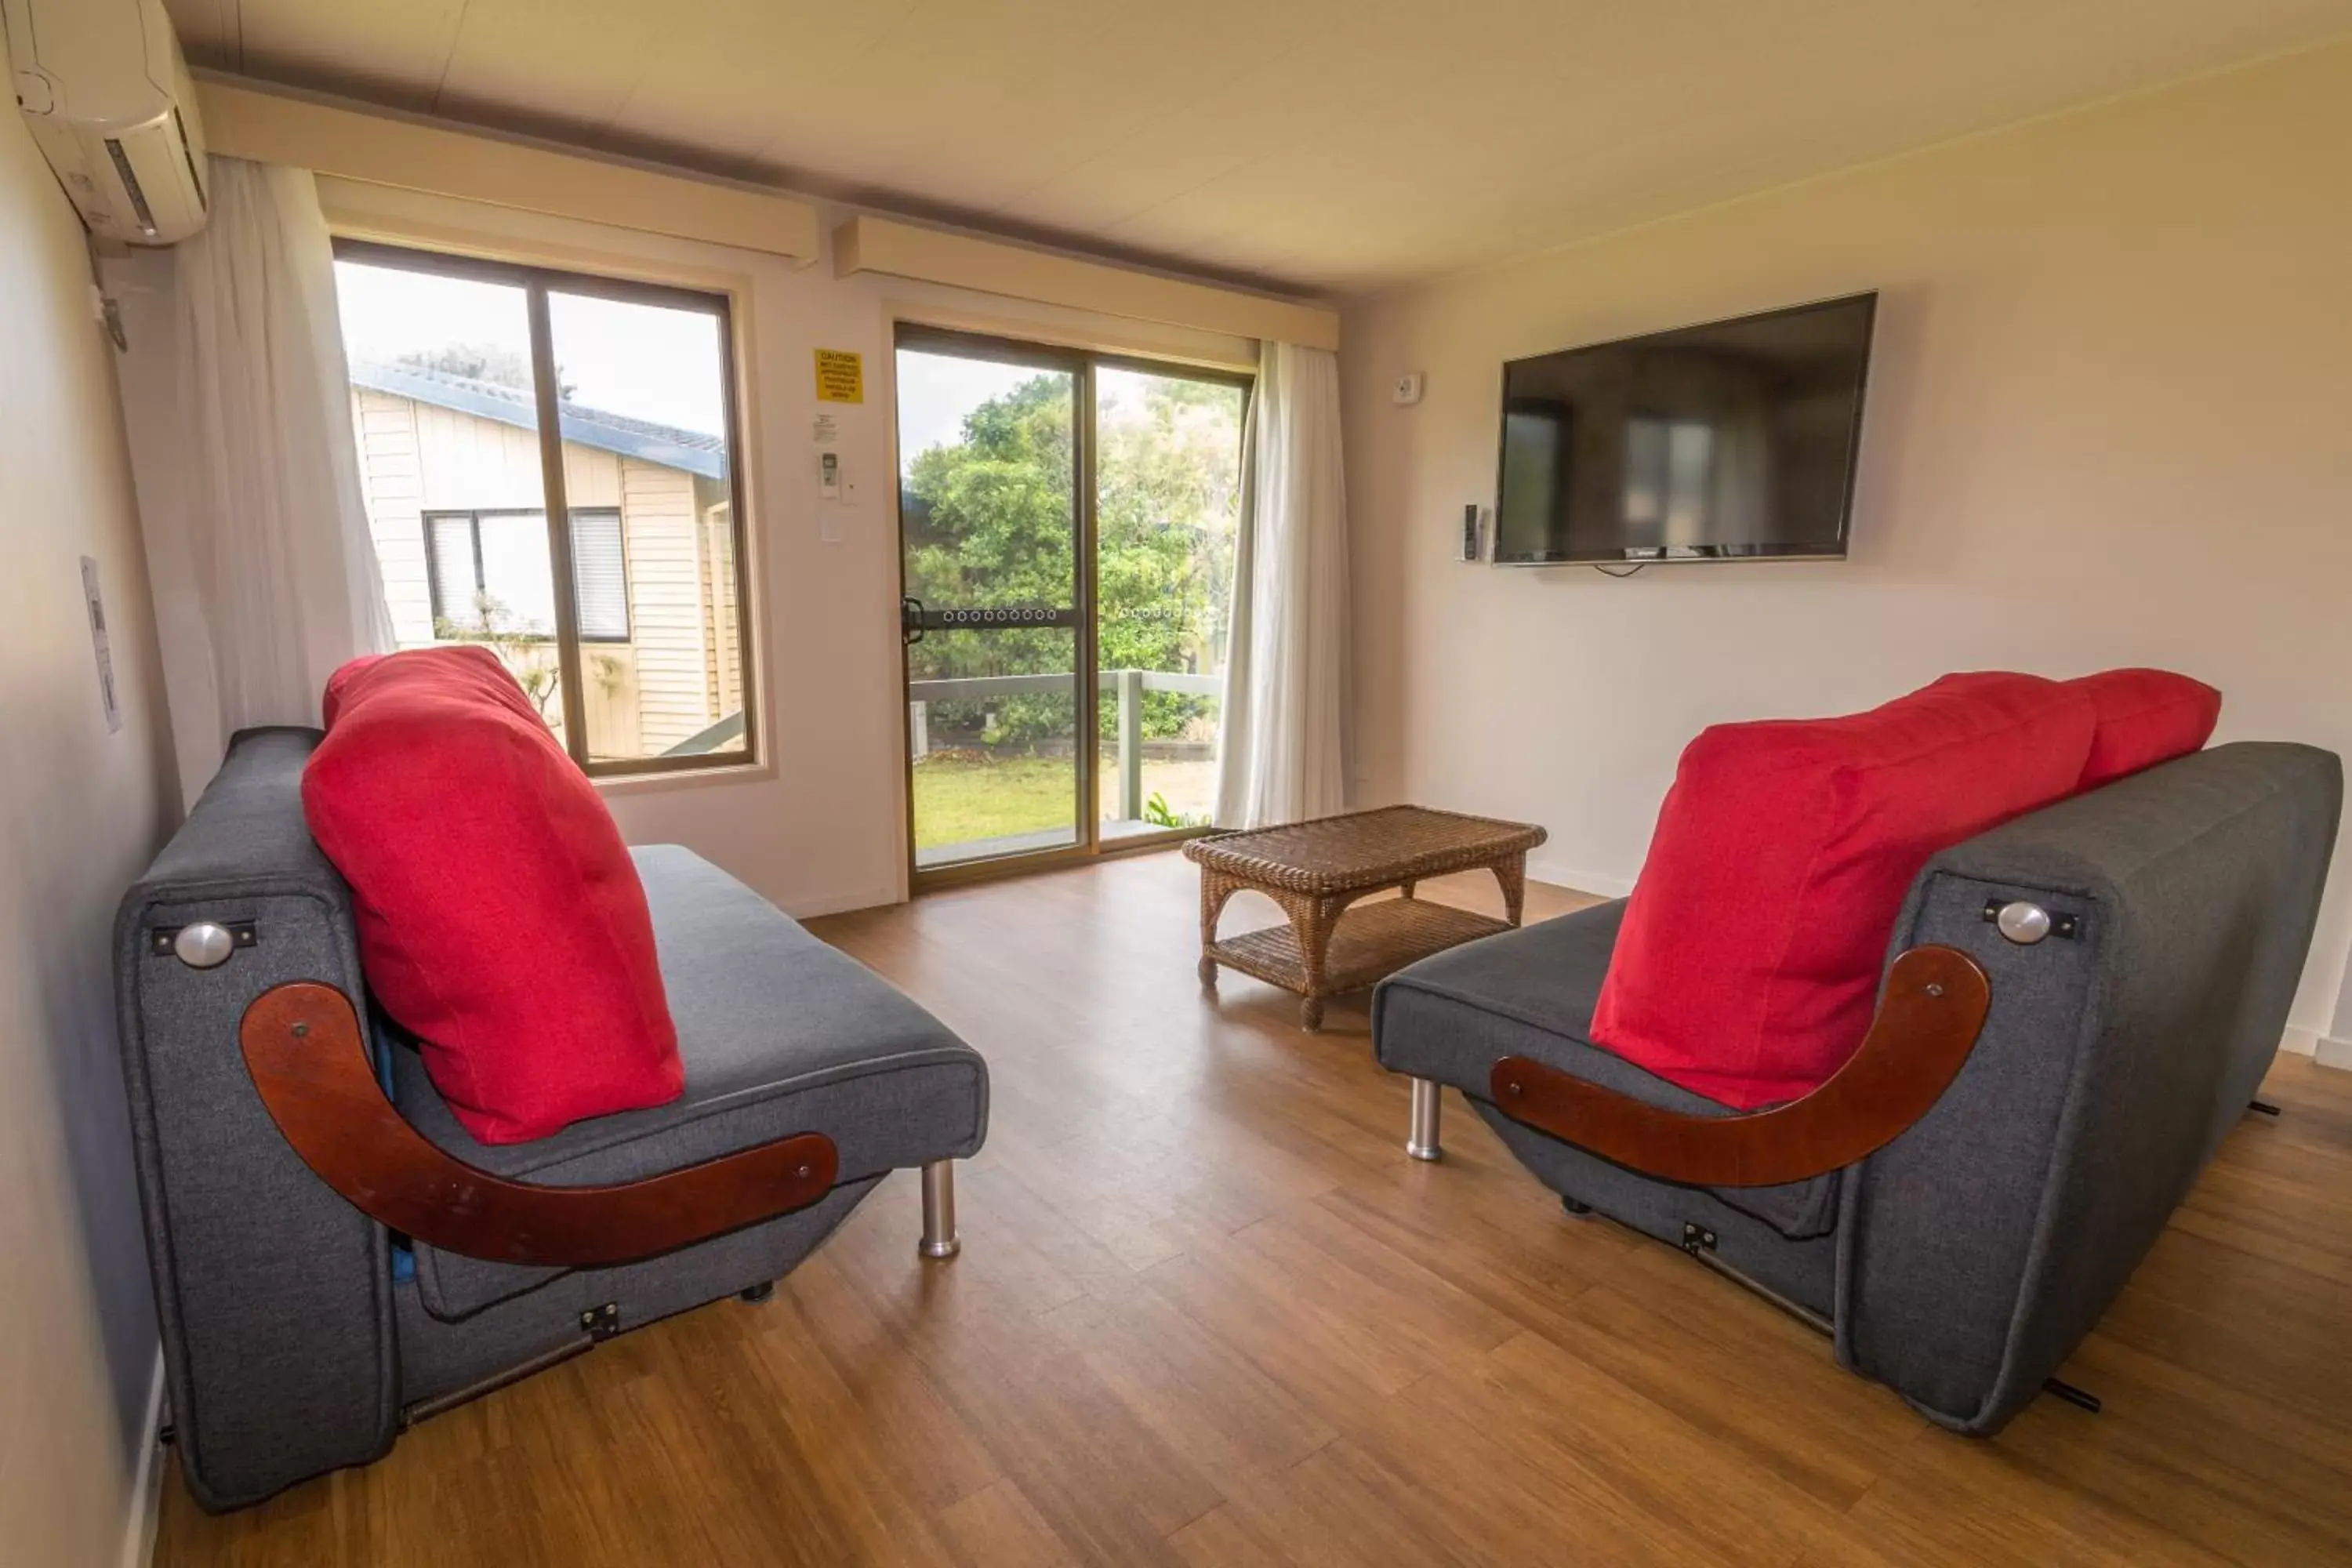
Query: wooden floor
point(1209, 1313)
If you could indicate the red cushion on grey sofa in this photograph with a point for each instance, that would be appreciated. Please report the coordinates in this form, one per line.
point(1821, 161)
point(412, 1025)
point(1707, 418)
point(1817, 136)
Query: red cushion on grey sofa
point(500, 918)
point(1747, 966)
point(2144, 717)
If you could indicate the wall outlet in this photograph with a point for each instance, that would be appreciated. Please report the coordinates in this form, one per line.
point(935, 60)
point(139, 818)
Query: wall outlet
point(1406, 392)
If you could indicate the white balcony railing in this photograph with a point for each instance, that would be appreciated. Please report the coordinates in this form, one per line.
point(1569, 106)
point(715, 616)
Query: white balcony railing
point(1129, 684)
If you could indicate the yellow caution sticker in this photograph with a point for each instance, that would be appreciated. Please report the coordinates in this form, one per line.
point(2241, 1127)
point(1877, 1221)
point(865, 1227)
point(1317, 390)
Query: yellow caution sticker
point(840, 376)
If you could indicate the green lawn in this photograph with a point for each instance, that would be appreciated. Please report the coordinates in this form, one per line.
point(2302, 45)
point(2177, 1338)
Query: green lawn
point(963, 797)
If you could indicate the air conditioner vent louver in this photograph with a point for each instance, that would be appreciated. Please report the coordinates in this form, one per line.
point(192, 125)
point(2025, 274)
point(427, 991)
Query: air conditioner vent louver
point(129, 179)
point(188, 156)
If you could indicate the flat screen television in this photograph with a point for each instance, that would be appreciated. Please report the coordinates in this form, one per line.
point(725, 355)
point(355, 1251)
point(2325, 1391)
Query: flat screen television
point(1733, 441)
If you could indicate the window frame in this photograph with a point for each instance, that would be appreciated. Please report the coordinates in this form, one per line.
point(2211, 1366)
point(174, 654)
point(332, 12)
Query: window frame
point(428, 516)
point(537, 283)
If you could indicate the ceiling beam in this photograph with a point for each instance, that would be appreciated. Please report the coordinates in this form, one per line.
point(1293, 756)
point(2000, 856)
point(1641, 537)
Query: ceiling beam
point(385, 149)
point(993, 267)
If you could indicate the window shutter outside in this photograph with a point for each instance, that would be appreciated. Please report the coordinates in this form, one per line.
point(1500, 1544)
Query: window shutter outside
point(451, 540)
point(600, 576)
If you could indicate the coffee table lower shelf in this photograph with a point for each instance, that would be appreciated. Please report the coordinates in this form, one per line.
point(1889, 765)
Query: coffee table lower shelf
point(1369, 942)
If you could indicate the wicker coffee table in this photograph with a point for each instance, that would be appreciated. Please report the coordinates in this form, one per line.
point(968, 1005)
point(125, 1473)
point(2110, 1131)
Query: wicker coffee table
point(1316, 869)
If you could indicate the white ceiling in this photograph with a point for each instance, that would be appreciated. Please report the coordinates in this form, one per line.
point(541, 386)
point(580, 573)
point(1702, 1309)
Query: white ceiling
point(1339, 146)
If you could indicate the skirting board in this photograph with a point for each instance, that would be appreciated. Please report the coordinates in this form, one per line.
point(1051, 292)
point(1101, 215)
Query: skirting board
point(146, 1502)
point(1543, 869)
point(2328, 1051)
point(2324, 1050)
point(841, 903)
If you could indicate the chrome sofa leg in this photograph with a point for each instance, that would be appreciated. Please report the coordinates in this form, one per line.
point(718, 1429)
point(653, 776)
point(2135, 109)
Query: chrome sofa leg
point(1421, 1142)
point(939, 1238)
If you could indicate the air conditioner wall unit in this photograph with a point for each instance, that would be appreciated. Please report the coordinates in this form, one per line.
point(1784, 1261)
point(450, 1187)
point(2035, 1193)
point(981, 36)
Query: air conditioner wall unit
point(108, 96)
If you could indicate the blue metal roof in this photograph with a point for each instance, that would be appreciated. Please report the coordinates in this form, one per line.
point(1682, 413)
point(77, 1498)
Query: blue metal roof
point(666, 444)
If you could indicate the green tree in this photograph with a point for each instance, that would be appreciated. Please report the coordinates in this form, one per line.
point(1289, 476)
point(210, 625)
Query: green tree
point(989, 524)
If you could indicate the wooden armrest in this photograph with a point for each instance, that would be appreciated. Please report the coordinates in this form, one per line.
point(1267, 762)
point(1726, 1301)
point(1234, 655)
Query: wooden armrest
point(1927, 1021)
point(303, 1046)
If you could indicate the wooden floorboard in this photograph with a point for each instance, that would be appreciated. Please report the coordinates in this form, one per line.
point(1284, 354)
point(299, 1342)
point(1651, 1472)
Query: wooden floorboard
point(1208, 1315)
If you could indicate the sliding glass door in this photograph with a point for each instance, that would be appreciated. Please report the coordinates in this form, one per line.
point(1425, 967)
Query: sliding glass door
point(1168, 499)
point(989, 519)
point(1067, 525)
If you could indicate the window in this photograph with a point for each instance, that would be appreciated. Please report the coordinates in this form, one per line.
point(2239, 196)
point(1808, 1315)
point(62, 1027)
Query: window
point(490, 574)
point(488, 399)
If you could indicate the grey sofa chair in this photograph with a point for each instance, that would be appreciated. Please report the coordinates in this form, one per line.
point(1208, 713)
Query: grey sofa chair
point(300, 1331)
point(2138, 948)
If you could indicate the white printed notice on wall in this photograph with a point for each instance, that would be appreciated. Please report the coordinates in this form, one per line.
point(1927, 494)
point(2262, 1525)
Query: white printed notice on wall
point(98, 643)
point(826, 433)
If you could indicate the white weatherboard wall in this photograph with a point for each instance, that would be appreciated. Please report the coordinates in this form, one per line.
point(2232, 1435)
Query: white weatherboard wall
point(82, 810)
point(2109, 423)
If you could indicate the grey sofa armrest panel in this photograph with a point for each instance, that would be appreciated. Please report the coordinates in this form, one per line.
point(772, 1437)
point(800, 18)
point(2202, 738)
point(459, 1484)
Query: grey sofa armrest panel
point(780, 1034)
point(1977, 1249)
point(273, 1294)
point(1531, 993)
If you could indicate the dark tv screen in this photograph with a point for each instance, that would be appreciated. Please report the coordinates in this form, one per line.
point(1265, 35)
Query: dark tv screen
point(1727, 442)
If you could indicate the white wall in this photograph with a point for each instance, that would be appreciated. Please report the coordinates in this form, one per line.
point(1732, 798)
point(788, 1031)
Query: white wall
point(822, 826)
point(82, 810)
point(2109, 422)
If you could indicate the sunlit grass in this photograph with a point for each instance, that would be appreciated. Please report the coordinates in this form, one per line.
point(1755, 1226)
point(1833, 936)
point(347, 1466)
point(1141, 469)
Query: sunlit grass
point(965, 797)
point(960, 796)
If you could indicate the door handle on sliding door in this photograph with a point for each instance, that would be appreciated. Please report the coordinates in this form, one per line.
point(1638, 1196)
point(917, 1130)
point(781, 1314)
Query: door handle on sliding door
point(910, 620)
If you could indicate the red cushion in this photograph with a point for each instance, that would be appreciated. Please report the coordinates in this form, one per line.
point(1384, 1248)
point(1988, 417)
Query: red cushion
point(1747, 966)
point(2146, 717)
point(500, 918)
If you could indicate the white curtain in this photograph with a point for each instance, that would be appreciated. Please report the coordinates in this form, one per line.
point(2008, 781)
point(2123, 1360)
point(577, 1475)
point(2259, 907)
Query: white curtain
point(250, 488)
point(1282, 738)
